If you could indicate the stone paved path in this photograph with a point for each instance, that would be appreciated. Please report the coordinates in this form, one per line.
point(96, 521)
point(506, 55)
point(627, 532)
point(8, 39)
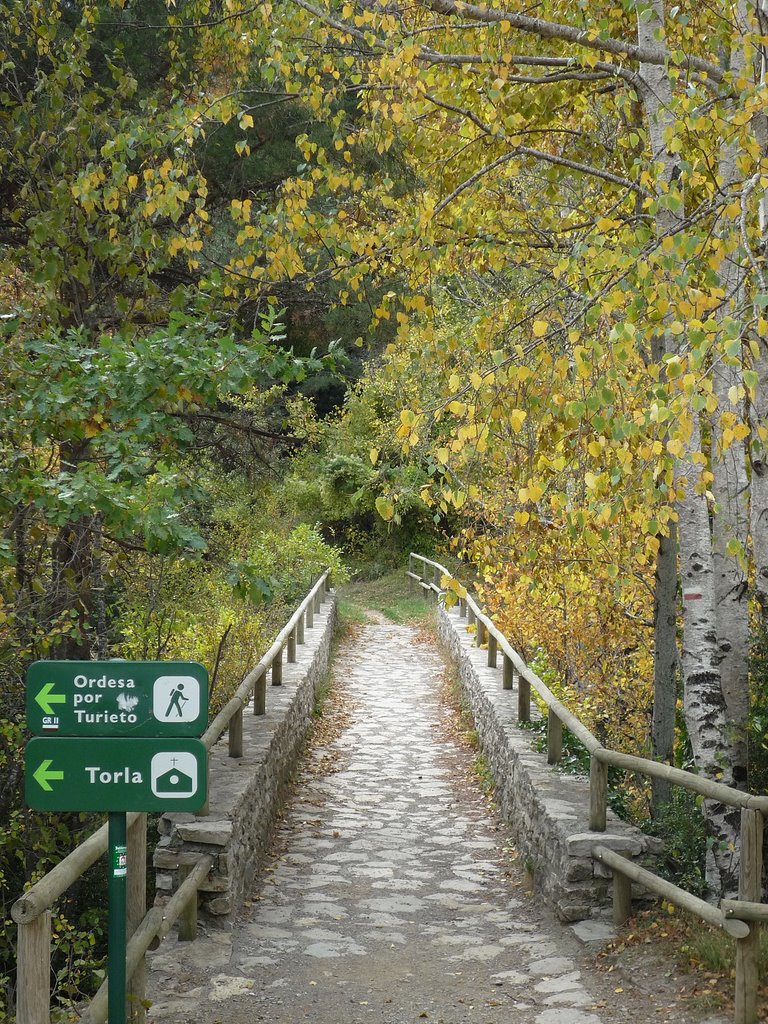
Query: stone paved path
point(391, 899)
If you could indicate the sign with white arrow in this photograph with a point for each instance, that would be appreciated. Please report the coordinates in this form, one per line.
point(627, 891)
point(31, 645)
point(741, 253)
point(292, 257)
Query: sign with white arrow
point(117, 698)
point(157, 774)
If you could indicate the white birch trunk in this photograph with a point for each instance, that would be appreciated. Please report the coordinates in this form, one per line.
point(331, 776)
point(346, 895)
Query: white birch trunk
point(665, 662)
point(703, 704)
point(759, 412)
point(655, 94)
point(731, 523)
point(729, 468)
point(759, 489)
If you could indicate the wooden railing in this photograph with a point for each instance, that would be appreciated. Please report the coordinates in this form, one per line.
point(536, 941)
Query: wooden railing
point(32, 912)
point(733, 916)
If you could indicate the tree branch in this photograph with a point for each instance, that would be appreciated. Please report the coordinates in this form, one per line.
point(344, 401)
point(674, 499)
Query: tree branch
point(472, 179)
point(184, 26)
point(427, 55)
point(567, 33)
point(245, 428)
point(595, 172)
point(486, 129)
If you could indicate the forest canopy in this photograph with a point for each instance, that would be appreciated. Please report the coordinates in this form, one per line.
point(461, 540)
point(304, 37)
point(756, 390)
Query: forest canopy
point(439, 274)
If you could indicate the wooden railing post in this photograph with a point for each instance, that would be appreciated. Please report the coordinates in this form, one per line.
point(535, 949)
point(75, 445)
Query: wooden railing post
point(471, 617)
point(507, 672)
point(750, 889)
point(235, 742)
point(206, 808)
point(300, 629)
point(33, 986)
point(318, 599)
point(291, 649)
point(492, 649)
point(328, 584)
point(598, 794)
point(554, 738)
point(188, 916)
point(136, 909)
point(480, 634)
point(462, 607)
point(310, 615)
point(277, 668)
point(622, 898)
point(260, 694)
point(523, 699)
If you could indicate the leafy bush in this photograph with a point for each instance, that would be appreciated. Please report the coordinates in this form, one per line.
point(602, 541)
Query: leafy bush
point(30, 845)
point(681, 825)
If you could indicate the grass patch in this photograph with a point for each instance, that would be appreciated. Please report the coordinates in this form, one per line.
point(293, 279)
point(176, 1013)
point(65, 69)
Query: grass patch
point(390, 595)
point(464, 730)
point(706, 955)
point(484, 775)
point(322, 693)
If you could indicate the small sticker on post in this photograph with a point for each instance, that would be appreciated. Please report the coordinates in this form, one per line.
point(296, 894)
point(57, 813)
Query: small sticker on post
point(120, 862)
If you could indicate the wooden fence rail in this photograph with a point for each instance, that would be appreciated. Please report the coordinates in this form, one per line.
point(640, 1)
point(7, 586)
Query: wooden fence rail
point(739, 918)
point(32, 912)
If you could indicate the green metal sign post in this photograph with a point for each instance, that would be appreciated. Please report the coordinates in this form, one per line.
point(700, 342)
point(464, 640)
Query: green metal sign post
point(116, 736)
point(117, 939)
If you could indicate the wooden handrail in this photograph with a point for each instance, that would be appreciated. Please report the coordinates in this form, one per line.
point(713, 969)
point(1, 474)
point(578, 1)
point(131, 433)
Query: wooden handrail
point(629, 762)
point(733, 915)
point(44, 893)
point(31, 911)
point(671, 893)
point(242, 695)
point(695, 783)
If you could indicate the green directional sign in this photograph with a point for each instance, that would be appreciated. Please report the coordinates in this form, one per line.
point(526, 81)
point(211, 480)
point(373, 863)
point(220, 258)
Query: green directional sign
point(117, 698)
point(158, 774)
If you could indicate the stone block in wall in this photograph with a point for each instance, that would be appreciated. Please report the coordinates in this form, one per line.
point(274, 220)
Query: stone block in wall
point(203, 830)
point(221, 906)
point(579, 869)
point(548, 811)
point(582, 843)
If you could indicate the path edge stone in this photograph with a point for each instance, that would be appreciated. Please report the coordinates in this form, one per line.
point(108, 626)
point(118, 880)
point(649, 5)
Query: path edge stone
point(246, 793)
point(547, 810)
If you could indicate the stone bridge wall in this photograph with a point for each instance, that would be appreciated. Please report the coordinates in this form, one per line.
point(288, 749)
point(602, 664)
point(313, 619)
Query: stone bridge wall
point(547, 810)
point(245, 792)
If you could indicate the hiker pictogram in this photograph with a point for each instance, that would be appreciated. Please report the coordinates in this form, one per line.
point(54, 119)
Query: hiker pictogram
point(176, 702)
point(176, 699)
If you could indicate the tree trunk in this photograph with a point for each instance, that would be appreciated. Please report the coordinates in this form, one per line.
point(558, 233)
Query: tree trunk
point(759, 489)
point(70, 594)
point(703, 704)
point(656, 97)
point(730, 523)
point(665, 660)
point(759, 406)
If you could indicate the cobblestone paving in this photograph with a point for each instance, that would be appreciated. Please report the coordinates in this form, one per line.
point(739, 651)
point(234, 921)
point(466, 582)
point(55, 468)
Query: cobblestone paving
point(391, 898)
